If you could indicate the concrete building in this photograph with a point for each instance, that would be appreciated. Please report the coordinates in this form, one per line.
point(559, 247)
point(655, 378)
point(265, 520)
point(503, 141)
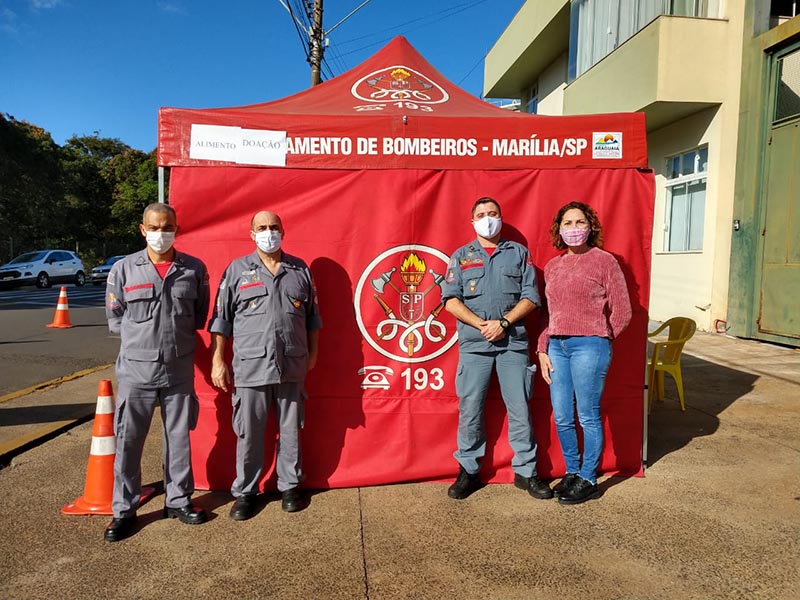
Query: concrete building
point(719, 81)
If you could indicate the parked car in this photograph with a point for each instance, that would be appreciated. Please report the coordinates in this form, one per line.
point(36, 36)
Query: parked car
point(99, 274)
point(44, 268)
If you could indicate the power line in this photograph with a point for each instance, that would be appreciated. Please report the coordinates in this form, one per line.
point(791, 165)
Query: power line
point(303, 41)
point(441, 14)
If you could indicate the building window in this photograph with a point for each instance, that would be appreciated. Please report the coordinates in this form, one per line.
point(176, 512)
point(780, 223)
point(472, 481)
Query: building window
point(787, 97)
point(685, 200)
point(532, 100)
point(598, 27)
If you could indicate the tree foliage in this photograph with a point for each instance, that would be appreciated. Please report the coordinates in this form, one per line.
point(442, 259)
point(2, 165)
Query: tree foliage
point(86, 195)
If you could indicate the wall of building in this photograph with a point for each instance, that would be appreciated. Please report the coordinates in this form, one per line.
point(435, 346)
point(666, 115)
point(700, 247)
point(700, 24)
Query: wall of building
point(682, 282)
point(552, 82)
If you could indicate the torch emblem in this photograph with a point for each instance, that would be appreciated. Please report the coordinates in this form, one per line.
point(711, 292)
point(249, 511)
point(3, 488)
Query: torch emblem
point(399, 83)
point(402, 282)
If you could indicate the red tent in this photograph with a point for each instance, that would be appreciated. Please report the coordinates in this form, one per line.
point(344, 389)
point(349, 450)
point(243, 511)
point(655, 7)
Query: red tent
point(374, 174)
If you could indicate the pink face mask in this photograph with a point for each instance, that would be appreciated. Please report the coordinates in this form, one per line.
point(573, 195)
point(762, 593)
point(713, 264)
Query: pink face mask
point(575, 237)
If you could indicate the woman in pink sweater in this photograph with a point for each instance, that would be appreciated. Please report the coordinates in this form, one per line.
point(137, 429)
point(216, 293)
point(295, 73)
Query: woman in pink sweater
point(588, 306)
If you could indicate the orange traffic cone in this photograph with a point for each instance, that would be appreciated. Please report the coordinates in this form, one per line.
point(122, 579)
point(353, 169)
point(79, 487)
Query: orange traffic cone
point(61, 318)
point(97, 492)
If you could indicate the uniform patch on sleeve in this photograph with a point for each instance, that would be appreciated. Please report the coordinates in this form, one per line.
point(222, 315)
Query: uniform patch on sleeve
point(529, 261)
point(112, 302)
point(112, 278)
point(450, 276)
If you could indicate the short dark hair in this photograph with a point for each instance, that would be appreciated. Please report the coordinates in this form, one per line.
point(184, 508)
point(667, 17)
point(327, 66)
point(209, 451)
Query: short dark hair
point(486, 200)
point(596, 234)
point(159, 207)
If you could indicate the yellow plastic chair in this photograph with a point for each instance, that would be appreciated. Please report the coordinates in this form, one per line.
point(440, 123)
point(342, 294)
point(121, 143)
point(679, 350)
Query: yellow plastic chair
point(667, 357)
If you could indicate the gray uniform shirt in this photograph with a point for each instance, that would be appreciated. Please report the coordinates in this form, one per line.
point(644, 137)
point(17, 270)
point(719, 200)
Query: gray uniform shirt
point(269, 318)
point(156, 318)
point(490, 286)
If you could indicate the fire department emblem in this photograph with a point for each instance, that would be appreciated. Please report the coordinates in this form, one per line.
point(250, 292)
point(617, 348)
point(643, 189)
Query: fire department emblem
point(398, 83)
point(398, 302)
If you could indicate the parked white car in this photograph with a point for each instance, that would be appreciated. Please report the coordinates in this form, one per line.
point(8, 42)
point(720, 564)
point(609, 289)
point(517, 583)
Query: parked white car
point(44, 268)
point(99, 274)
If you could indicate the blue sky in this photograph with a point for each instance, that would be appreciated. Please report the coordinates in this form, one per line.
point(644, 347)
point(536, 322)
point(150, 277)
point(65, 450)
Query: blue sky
point(76, 67)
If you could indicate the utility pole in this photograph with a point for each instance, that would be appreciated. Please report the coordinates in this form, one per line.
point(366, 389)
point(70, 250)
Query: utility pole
point(315, 41)
point(317, 35)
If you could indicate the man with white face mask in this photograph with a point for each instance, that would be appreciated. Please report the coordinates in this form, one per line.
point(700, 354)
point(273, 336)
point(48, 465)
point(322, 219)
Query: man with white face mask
point(490, 287)
point(155, 300)
point(267, 302)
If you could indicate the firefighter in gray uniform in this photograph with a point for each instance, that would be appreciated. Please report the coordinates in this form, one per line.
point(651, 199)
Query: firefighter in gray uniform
point(267, 302)
point(156, 300)
point(490, 287)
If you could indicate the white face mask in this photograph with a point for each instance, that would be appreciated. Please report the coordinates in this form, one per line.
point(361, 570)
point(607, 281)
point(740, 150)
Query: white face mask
point(160, 242)
point(268, 241)
point(487, 227)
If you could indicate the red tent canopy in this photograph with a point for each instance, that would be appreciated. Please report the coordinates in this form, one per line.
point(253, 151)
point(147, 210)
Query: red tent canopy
point(396, 111)
point(370, 172)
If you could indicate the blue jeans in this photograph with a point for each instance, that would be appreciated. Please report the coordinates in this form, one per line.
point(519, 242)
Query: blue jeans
point(580, 366)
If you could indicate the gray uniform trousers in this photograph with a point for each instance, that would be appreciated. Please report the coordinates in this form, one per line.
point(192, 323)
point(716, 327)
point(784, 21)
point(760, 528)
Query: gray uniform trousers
point(251, 406)
point(132, 417)
point(515, 374)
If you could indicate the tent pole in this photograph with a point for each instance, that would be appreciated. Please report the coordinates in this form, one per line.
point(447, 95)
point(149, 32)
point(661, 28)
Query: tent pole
point(161, 185)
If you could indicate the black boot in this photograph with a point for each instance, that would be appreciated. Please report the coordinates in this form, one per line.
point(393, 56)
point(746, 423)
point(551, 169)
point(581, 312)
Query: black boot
point(464, 485)
point(119, 528)
point(244, 507)
point(534, 486)
point(293, 500)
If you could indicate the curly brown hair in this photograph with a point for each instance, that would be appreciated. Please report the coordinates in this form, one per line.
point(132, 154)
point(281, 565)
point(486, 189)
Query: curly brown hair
point(596, 235)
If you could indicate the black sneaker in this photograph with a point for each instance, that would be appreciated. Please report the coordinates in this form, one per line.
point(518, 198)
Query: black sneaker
point(581, 491)
point(534, 486)
point(464, 485)
point(563, 485)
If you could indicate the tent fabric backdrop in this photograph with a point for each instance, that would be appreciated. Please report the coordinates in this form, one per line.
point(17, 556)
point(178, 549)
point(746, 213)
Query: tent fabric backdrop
point(382, 409)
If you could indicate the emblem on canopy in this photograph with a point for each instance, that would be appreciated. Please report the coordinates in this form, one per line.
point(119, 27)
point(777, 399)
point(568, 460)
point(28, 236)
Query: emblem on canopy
point(398, 83)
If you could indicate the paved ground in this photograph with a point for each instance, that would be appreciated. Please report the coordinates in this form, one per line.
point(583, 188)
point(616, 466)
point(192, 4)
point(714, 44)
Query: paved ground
point(717, 516)
point(31, 353)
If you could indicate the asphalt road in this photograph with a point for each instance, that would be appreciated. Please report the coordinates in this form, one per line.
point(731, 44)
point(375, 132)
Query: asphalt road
point(31, 353)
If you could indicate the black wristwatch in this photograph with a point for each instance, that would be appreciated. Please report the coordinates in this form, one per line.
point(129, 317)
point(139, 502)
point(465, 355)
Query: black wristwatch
point(504, 323)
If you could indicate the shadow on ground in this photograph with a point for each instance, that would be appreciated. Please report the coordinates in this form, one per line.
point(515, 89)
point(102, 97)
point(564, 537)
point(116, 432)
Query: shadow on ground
point(709, 389)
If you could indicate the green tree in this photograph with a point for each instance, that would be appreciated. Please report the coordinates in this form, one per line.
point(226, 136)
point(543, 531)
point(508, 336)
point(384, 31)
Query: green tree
point(30, 184)
point(136, 187)
point(89, 179)
point(88, 194)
